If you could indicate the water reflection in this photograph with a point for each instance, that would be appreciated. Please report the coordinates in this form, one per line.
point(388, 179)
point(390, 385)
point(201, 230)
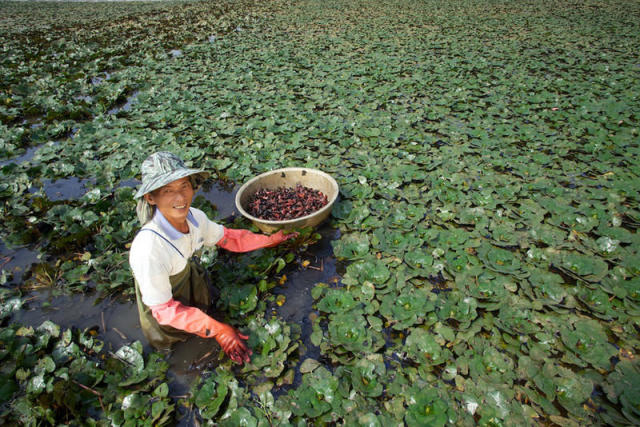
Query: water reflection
point(222, 197)
point(125, 106)
point(71, 188)
point(16, 261)
point(28, 155)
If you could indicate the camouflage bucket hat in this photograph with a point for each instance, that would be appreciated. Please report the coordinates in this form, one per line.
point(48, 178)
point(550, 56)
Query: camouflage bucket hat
point(159, 169)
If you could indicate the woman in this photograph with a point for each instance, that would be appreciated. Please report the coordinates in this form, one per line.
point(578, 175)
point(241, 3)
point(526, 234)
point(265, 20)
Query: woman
point(171, 287)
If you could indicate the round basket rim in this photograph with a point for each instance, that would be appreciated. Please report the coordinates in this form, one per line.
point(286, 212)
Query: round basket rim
point(320, 211)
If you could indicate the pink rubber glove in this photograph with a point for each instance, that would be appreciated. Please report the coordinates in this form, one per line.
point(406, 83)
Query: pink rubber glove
point(195, 321)
point(245, 241)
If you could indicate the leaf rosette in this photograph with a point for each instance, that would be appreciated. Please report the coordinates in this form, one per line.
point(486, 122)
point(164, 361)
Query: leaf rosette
point(351, 246)
point(504, 234)
point(370, 270)
point(317, 395)
point(455, 238)
point(337, 301)
point(501, 260)
point(426, 408)
point(632, 289)
point(492, 404)
point(548, 234)
point(407, 308)
point(239, 417)
point(492, 365)
point(581, 267)
point(422, 347)
point(597, 303)
point(622, 388)
point(488, 288)
point(367, 377)
point(349, 332)
point(210, 397)
point(455, 305)
point(571, 390)
point(405, 216)
point(548, 287)
point(421, 262)
point(587, 339)
point(516, 317)
point(241, 299)
point(394, 242)
point(272, 343)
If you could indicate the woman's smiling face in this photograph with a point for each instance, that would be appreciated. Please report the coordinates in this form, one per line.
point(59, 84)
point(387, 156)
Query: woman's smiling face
point(174, 200)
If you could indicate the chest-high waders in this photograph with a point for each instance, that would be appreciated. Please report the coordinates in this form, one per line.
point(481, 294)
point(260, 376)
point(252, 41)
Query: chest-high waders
point(191, 288)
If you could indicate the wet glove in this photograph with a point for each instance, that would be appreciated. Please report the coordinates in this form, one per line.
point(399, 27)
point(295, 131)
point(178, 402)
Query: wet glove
point(245, 240)
point(195, 321)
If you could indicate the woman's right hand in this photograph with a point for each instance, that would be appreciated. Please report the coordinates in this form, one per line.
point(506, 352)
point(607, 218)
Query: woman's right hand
point(232, 343)
point(193, 320)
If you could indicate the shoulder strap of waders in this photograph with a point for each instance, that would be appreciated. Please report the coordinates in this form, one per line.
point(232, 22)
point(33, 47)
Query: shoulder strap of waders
point(163, 238)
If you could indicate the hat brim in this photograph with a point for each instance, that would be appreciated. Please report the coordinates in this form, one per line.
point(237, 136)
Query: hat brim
point(168, 178)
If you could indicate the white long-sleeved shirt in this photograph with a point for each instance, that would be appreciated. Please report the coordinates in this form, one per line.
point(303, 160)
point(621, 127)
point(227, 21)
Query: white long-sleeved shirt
point(159, 251)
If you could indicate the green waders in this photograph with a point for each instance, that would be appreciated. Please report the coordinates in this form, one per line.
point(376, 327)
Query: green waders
point(190, 287)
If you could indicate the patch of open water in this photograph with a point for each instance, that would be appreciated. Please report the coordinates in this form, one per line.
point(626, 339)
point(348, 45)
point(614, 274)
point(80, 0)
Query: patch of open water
point(28, 155)
point(223, 198)
point(126, 105)
point(71, 188)
point(298, 305)
point(16, 261)
point(132, 183)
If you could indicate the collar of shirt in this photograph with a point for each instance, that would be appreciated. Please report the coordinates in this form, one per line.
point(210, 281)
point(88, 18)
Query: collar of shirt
point(168, 229)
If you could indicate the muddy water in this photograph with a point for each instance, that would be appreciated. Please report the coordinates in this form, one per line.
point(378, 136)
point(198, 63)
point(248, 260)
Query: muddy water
point(297, 290)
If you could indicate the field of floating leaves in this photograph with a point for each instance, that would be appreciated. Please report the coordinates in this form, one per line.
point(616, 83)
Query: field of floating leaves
point(487, 155)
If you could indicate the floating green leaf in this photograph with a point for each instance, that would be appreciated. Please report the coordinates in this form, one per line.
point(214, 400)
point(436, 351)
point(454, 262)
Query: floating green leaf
point(426, 408)
point(588, 340)
point(351, 246)
point(406, 309)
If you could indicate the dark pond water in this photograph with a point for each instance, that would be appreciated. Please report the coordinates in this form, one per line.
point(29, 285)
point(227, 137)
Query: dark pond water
point(16, 261)
point(71, 188)
point(28, 155)
point(221, 197)
point(126, 105)
point(297, 291)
